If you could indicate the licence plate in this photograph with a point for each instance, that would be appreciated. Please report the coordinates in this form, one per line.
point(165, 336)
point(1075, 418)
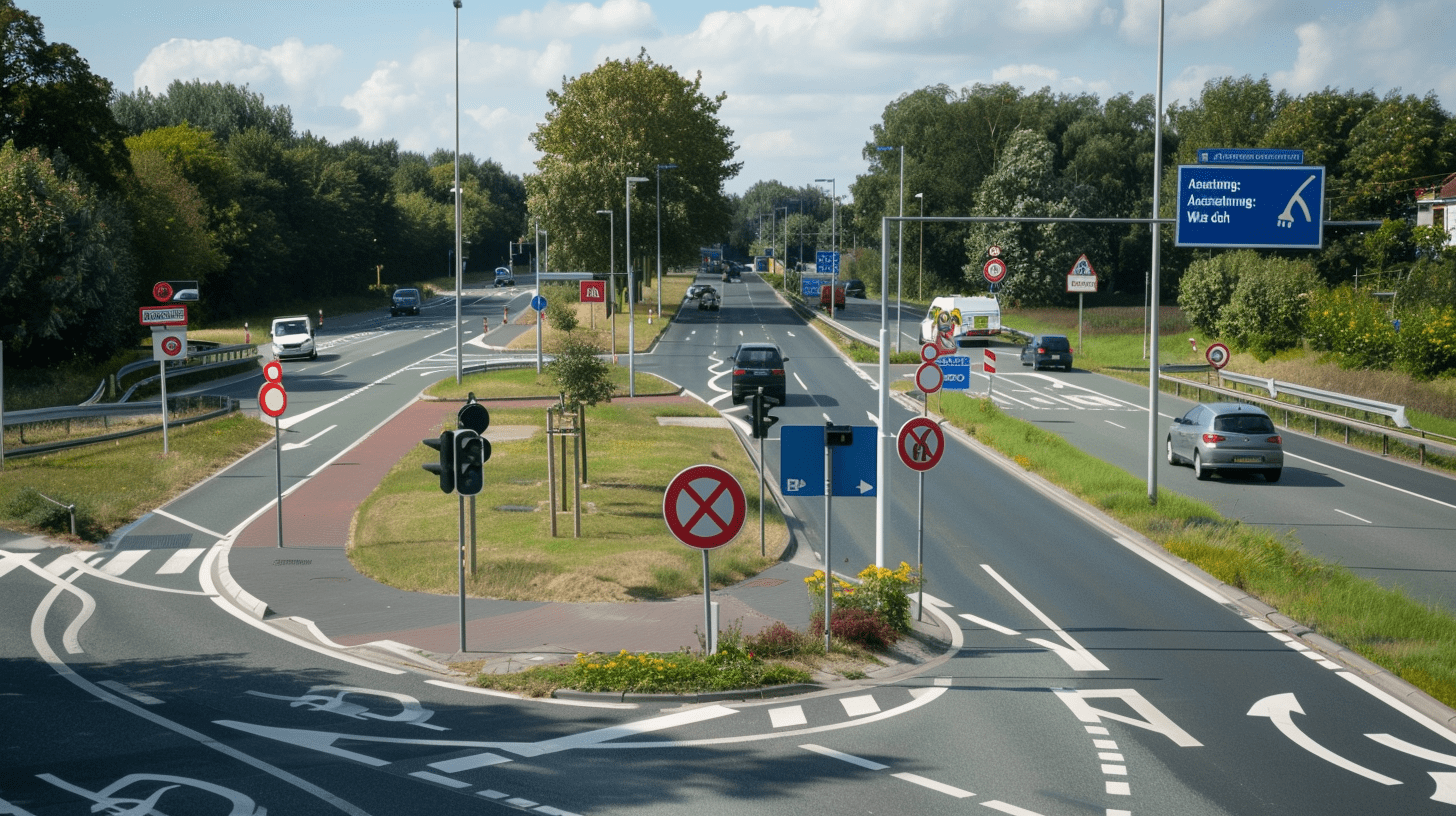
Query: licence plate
point(760, 372)
point(1054, 356)
point(1247, 460)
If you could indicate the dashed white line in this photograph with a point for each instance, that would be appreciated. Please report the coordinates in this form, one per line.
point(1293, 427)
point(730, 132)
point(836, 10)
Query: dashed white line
point(843, 757)
point(1351, 515)
point(939, 787)
point(180, 561)
point(440, 780)
point(1114, 424)
point(784, 717)
point(123, 561)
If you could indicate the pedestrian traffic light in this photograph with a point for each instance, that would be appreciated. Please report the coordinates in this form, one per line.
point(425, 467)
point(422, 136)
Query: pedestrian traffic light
point(473, 415)
point(471, 451)
point(758, 411)
point(445, 468)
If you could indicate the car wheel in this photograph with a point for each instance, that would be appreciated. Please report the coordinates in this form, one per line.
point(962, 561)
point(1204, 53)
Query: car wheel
point(1273, 474)
point(1199, 471)
point(1172, 457)
point(737, 400)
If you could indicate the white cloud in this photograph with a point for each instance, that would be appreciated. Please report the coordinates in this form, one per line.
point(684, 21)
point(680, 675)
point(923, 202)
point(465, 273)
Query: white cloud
point(381, 98)
point(292, 65)
point(614, 18)
point(1051, 16)
point(1216, 19)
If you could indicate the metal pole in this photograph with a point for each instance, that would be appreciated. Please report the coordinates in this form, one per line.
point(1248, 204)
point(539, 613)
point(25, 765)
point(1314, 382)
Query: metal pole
point(1153, 290)
point(631, 299)
point(460, 557)
point(900, 253)
point(1079, 322)
point(581, 435)
point(472, 536)
point(2, 404)
point(576, 479)
point(536, 238)
point(459, 265)
point(551, 469)
point(660, 168)
point(709, 641)
point(278, 462)
point(920, 544)
point(882, 433)
point(920, 276)
point(828, 564)
point(612, 264)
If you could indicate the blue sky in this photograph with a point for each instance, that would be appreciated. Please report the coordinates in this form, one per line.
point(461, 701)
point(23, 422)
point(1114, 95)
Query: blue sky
point(805, 81)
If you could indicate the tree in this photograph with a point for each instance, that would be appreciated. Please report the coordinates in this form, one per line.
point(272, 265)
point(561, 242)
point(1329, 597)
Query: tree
point(1397, 145)
point(169, 225)
point(50, 100)
point(221, 108)
point(579, 371)
point(1266, 312)
point(623, 119)
point(1229, 113)
point(1208, 286)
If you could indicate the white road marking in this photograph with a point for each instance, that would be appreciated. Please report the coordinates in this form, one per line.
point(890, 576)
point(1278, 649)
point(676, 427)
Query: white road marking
point(1106, 745)
point(517, 697)
point(442, 780)
point(469, 763)
point(787, 716)
point(1110, 756)
point(1119, 789)
point(62, 565)
point(1013, 809)
point(938, 787)
point(337, 367)
point(180, 520)
point(1370, 480)
point(1398, 705)
point(13, 560)
point(122, 688)
point(860, 706)
point(1114, 424)
point(843, 757)
point(123, 561)
point(800, 382)
point(1280, 708)
point(989, 625)
point(1074, 654)
point(1115, 770)
point(1152, 719)
point(180, 561)
point(305, 443)
point(1351, 515)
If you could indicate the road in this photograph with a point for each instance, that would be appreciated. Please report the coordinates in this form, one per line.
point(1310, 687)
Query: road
point(1089, 678)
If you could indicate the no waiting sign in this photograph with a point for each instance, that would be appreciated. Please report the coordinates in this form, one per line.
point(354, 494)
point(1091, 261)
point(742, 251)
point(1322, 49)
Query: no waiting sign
point(704, 507)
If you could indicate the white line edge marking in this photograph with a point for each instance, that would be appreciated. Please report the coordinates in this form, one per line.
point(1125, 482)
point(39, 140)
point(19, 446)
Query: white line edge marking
point(1351, 515)
point(1014, 810)
point(122, 688)
point(184, 521)
point(1092, 662)
point(938, 787)
point(843, 757)
point(1398, 705)
point(1114, 424)
point(989, 625)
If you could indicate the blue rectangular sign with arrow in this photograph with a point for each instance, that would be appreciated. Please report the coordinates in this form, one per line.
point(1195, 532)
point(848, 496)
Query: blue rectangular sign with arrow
point(826, 263)
point(801, 462)
point(1268, 207)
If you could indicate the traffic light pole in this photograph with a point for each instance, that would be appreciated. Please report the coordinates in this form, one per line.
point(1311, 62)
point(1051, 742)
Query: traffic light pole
point(762, 546)
point(461, 560)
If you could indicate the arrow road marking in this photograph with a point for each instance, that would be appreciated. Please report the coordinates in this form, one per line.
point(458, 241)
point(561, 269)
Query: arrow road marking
point(1076, 657)
point(305, 443)
point(1445, 782)
point(1281, 707)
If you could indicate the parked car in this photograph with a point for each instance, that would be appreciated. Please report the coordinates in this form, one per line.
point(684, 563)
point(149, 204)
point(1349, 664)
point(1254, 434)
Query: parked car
point(755, 365)
point(708, 301)
point(1047, 350)
point(293, 337)
point(854, 288)
point(406, 301)
point(1226, 437)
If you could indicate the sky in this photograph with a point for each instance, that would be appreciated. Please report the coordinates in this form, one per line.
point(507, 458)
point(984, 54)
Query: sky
point(805, 81)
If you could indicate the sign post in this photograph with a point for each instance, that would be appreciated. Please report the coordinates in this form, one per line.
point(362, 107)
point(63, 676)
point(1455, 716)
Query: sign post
point(539, 304)
point(704, 507)
point(921, 444)
point(1081, 279)
point(990, 367)
point(273, 401)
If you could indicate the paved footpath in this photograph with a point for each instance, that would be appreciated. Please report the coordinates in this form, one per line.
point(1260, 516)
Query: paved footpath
point(311, 577)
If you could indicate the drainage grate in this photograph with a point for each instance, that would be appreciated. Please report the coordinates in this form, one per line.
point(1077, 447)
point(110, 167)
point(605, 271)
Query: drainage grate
point(516, 508)
point(285, 562)
point(764, 582)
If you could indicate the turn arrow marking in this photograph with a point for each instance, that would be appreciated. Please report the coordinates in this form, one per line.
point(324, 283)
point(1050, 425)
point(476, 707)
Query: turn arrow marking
point(1281, 707)
point(305, 443)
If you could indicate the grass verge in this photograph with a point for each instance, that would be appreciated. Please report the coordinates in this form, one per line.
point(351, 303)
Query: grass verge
point(1414, 641)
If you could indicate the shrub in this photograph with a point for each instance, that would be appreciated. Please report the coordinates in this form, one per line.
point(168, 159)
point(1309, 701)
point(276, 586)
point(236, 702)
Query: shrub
point(1208, 285)
point(1354, 325)
point(1425, 346)
point(776, 641)
point(860, 627)
point(881, 590)
point(1267, 309)
point(562, 316)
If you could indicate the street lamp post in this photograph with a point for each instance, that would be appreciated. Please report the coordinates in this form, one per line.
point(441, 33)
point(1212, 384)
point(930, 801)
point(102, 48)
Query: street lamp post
point(833, 237)
point(631, 291)
point(612, 262)
point(920, 276)
point(899, 253)
point(660, 168)
point(459, 270)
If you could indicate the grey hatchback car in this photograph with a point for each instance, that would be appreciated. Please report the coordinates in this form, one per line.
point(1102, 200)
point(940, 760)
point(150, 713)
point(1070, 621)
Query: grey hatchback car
point(1226, 437)
point(755, 365)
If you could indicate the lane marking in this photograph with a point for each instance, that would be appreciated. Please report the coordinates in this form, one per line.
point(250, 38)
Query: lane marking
point(798, 380)
point(13, 560)
point(184, 521)
point(989, 625)
point(1074, 654)
point(122, 688)
point(123, 561)
point(181, 560)
point(1351, 515)
point(938, 787)
point(859, 706)
point(785, 717)
point(1370, 480)
point(1014, 810)
point(469, 763)
point(1114, 424)
point(843, 757)
point(1280, 708)
point(442, 780)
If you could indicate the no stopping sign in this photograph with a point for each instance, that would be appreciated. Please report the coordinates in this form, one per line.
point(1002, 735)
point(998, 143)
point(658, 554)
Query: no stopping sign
point(704, 507)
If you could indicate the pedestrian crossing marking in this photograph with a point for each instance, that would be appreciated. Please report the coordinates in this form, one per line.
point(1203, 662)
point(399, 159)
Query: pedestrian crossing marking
point(860, 706)
point(787, 716)
point(180, 561)
point(123, 561)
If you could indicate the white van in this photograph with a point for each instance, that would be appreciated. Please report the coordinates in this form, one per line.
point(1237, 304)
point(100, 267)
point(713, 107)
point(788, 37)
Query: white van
point(293, 337)
point(967, 318)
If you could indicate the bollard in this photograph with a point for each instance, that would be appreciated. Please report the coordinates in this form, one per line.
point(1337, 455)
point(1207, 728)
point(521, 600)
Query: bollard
point(247, 334)
point(484, 325)
point(321, 318)
point(506, 316)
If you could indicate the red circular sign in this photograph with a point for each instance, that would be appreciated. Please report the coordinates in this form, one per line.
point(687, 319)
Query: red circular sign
point(171, 345)
point(273, 371)
point(994, 270)
point(929, 378)
point(929, 352)
point(920, 443)
point(162, 291)
point(995, 251)
point(272, 399)
point(704, 507)
point(1217, 355)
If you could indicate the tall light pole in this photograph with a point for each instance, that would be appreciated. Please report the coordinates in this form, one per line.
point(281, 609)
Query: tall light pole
point(833, 237)
point(459, 264)
point(660, 168)
point(612, 261)
point(776, 243)
point(920, 277)
point(900, 253)
point(631, 290)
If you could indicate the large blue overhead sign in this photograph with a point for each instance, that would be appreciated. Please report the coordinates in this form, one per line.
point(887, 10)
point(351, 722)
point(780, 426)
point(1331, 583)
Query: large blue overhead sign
point(1268, 207)
point(826, 263)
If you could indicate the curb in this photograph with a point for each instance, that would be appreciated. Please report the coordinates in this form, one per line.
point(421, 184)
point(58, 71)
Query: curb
point(767, 692)
point(234, 591)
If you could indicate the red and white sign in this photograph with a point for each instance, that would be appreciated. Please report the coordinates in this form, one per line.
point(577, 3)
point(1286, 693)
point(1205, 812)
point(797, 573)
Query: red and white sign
point(272, 399)
point(1082, 277)
point(273, 371)
point(1217, 355)
point(921, 442)
point(593, 291)
point(171, 315)
point(929, 352)
point(994, 270)
point(990, 364)
point(162, 291)
point(169, 343)
point(929, 378)
point(704, 507)
point(994, 251)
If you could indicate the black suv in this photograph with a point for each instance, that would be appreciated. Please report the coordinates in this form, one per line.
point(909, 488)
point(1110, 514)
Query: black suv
point(1047, 349)
point(406, 301)
point(854, 288)
point(755, 365)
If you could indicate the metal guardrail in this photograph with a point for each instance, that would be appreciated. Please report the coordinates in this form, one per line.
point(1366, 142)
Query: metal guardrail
point(223, 406)
point(1276, 387)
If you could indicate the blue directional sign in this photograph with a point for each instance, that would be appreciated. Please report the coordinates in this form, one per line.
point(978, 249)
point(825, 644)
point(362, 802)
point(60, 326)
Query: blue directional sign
point(801, 462)
point(826, 263)
point(538, 303)
point(810, 287)
point(1250, 155)
point(957, 370)
point(1270, 207)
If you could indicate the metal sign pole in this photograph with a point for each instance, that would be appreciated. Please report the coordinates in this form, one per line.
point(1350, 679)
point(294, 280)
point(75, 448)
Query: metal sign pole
point(1080, 295)
point(278, 460)
point(551, 469)
point(762, 546)
point(460, 562)
point(828, 565)
point(920, 546)
point(472, 536)
point(163, 364)
point(710, 643)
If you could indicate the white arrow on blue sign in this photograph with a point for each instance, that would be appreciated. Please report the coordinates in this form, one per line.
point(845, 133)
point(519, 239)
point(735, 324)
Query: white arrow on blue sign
point(957, 369)
point(811, 287)
point(801, 462)
point(1268, 207)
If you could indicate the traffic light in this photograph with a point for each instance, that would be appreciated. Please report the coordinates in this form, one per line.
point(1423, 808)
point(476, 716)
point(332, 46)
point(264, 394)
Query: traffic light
point(446, 466)
point(471, 451)
point(758, 411)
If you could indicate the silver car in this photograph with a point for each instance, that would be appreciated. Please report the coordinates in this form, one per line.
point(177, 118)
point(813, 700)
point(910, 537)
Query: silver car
point(1226, 436)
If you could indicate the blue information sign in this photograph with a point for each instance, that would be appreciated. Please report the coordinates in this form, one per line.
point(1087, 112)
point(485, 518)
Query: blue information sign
point(957, 371)
point(810, 287)
point(826, 263)
point(538, 303)
point(1250, 155)
point(1269, 207)
point(801, 462)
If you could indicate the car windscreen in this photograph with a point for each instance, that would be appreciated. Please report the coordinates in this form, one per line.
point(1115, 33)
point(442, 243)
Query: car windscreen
point(1055, 344)
point(406, 294)
point(759, 358)
point(291, 327)
point(1243, 423)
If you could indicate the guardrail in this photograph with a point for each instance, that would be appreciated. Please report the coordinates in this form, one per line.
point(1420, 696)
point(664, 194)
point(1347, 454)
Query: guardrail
point(220, 406)
point(219, 357)
point(1275, 387)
